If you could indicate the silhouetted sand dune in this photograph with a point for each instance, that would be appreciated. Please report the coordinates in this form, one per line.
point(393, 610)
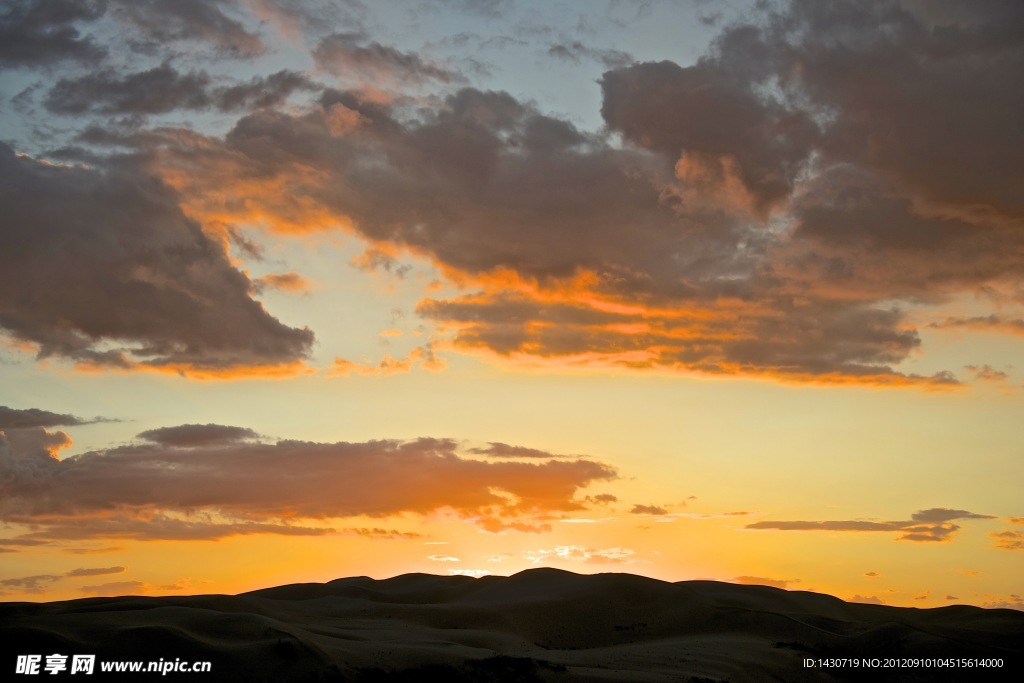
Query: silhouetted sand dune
point(538, 625)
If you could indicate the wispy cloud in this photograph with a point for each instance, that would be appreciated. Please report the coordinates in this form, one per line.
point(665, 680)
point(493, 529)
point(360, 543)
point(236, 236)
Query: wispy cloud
point(356, 58)
point(560, 553)
point(40, 583)
point(932, 525)
point(422, 357)
point(21, 418)
point(1008, 539)
point(192, 435)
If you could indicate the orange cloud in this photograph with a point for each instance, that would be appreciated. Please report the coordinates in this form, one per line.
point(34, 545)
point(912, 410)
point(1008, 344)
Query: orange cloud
point(422, 357)
point(203, 489)
point(286, 282)
point(1009, 539)
point(557, 333)
point(203, 371)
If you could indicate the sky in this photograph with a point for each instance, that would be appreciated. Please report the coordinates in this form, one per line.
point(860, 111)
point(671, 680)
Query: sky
point(292, 291)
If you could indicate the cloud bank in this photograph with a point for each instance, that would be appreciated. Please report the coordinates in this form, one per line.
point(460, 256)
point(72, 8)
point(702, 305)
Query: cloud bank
point(212, 481)
point(773, 209)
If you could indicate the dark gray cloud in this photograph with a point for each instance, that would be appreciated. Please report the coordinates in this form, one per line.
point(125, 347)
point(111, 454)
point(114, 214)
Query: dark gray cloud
point(262, 91)
point(468, 165)
point(155, 91)
point(46, 32)
point(957, 69)
point(150, 527)
point(900, 174)
point(715, 122)
point(354, 57)
point(213, 22)
point(36, 442)
point(20, 418)
point(210, 491)
point(43, 32)
point(94, 255)
point(648, 510)
point(193, 435)
point(931, 525)
point(945, 515)
point(95, 571)
point(163, 89)
point(857, 233)
point(603, 499)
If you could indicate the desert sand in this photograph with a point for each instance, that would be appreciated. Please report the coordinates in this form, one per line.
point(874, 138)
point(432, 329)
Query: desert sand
point(538, 625)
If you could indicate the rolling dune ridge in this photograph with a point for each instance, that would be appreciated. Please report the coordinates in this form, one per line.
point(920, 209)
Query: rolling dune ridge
point(538, 625)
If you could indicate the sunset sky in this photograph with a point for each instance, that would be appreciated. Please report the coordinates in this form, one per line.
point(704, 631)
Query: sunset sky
point(292, 291)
